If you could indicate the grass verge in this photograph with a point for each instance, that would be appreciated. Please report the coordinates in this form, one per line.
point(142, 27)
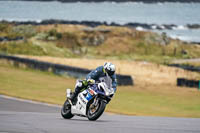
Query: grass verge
point(132, 100)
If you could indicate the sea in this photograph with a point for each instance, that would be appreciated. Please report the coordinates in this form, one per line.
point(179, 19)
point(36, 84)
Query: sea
point(168, 13)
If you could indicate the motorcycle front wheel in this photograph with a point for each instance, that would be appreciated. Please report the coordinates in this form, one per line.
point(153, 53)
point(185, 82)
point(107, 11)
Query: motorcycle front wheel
point(66, 110)
point(94, 112)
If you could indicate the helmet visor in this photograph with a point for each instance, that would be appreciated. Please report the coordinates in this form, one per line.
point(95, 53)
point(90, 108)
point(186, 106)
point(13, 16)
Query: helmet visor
point(110, 73)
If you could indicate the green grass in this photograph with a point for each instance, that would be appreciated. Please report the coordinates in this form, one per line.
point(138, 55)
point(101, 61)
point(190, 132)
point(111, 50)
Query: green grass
point(156, 103)
point(132, 100)
point(32, 84)
point(22, 47)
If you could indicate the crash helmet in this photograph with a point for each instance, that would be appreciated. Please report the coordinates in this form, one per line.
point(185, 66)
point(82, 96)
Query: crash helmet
point(109, 68)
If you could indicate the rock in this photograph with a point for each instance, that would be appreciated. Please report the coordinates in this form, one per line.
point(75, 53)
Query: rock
point(145, 26)
point(94, 40)
point(93, 24)
point(94, 36)
point(51, 38)
point(193, 26)
point(169, 27)
point(89, 30)
point(153, 38)
point(184, 52)
point(165, 39)
point(41, 36)
point(92, 30)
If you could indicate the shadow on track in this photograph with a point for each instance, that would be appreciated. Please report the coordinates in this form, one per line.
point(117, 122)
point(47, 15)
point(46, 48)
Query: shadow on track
point(86, 120)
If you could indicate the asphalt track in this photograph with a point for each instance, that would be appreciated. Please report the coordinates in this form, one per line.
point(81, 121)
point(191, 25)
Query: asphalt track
point(18, 116)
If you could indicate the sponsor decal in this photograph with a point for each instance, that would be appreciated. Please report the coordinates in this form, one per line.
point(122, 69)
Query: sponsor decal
point(91, 92)
point(88, 97)
point(82, 100)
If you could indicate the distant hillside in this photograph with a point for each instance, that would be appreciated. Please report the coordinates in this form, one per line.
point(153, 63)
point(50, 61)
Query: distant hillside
point(145, 1)
point(72, 40)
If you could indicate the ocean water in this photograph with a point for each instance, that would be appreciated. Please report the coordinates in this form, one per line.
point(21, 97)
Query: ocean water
point(179, 14)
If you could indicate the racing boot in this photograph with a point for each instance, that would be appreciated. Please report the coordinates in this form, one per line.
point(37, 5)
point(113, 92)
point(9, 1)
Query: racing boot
point(78, 87)
point(75, 94)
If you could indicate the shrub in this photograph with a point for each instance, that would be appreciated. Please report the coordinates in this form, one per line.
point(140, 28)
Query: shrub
point(3, 27)
point(69, 40)
point(24, 30)
point(54, 33)
point(21, 48)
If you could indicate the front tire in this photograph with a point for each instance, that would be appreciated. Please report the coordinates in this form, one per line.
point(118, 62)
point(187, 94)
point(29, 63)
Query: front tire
point(66, 110)
point(95, 114)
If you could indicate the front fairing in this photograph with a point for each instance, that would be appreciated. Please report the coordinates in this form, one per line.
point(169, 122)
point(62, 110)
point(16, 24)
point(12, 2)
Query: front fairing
point(94, 87)
point(100, 93)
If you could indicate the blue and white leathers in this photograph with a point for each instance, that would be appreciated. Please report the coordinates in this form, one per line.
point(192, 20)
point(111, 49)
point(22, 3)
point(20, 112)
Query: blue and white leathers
point(99, 74)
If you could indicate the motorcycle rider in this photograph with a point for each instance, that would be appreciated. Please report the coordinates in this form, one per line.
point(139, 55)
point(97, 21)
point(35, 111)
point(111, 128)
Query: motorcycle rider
point(105, 73)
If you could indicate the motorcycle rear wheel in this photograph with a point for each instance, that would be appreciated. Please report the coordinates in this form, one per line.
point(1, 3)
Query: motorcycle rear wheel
point(66, 110)
point(94, 113)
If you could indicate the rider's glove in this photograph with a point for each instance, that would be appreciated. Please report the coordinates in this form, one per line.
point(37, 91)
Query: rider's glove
point(90, 81)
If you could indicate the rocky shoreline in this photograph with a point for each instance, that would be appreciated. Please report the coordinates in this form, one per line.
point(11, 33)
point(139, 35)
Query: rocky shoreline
point(98, 23)
point(118, 1)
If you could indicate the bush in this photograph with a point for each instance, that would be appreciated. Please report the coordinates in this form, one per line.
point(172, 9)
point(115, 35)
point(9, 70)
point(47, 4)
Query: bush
point(54, 33)
point(42, 36)
point(24, 30)
point(69, 40)
point(21, 48)
point(3, 27)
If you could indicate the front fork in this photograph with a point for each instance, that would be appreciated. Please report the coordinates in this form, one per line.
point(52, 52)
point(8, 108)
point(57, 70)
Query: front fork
point(95, 102)
point(70, 102)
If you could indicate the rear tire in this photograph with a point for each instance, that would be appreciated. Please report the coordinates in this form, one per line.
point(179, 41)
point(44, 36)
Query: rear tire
point(66, 110)
point(92, 116)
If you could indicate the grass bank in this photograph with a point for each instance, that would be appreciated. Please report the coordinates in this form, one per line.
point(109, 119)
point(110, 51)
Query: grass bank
point(108, 42)
point(133, 100)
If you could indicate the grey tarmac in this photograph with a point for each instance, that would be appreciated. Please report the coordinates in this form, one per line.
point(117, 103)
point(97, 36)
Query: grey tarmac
point(19, 116)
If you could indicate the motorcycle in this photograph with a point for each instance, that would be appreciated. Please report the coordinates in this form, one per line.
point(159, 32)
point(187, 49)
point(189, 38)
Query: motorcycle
point(89, 103)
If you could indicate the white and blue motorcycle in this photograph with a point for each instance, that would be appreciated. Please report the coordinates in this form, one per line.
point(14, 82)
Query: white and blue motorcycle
point(90, 103)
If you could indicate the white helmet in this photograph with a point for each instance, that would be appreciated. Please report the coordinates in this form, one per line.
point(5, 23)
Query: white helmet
point(109, 68)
